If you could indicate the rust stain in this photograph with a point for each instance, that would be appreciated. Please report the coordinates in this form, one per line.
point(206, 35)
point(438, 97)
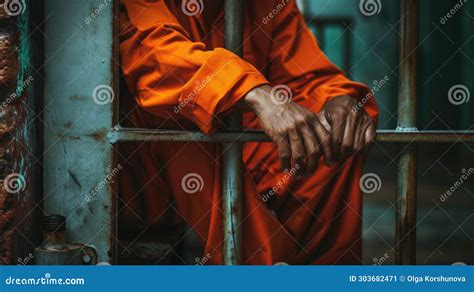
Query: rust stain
point(10, 120)
point(3, 13)
point(99, 135)
point(9, 66)
point(13, 135)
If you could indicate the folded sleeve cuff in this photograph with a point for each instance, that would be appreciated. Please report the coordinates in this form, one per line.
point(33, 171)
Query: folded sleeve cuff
point(222, 83)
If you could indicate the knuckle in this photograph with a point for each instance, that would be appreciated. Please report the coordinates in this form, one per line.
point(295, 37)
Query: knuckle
point(283, 131)
point(284, 156)
point(352, 102)
point(278, 139)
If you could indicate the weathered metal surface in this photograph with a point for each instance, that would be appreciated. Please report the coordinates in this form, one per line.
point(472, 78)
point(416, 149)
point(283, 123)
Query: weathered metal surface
point(118, 134)
point(16, 145)
point(79, 92)
point(9, 66)
point(405, 247)
point(394, 136)
point(232, 164)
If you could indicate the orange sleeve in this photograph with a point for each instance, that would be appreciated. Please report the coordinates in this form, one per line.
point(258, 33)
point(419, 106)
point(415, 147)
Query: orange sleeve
point(298, 62)
point(170, 74)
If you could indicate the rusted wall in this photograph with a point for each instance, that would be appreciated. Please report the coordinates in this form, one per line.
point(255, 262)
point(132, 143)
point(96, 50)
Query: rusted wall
point(16, 150)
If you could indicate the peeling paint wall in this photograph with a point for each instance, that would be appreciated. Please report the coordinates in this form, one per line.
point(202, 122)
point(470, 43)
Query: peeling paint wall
point(16, 135)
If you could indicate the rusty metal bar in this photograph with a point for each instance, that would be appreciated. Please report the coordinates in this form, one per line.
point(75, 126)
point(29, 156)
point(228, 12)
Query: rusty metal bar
point(405, 247)
point(118, 135)
point(232, 164)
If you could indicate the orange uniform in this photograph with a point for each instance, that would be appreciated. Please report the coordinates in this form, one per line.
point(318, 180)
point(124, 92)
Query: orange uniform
point(176, 68)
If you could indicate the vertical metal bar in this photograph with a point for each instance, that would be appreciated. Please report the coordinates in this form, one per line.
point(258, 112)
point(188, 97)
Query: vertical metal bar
point(321, 36)
point(232, 156)
point(407, 105)
point(347, 47)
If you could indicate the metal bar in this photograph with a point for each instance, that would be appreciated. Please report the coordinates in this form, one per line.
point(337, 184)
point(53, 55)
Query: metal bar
point(320, 30)
point(329, 20)
point(345, 23)
point(232, 164)
point(347, 47)
point(118, 135)
point(405, 248)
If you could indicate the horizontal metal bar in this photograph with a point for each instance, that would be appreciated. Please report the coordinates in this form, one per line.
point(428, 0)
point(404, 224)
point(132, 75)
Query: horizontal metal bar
point(118, 134)
point(337, 21)
point(133, 134)
point(395, 136)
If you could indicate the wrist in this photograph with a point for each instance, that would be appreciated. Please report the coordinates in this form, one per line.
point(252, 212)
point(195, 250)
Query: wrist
point(257, 97)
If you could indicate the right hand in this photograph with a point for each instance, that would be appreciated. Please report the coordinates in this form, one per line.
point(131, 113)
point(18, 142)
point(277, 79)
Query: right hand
point(299, 135)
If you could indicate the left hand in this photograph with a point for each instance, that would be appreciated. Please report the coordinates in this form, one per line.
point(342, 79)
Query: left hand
point(352, 129)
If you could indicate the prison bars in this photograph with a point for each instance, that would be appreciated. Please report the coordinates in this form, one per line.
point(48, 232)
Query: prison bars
point(120, 134)
point(406, 135)
point(232, 164)
point(405, 235)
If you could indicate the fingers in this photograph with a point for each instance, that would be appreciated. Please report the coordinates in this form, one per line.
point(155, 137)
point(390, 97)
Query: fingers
point(359, 140)
point(338, 126)
point(285, 153)
point(351, 128)
point(313, 152)
point(369, 135)
point(324, 140)
point(298, 152)
point(322, 118)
